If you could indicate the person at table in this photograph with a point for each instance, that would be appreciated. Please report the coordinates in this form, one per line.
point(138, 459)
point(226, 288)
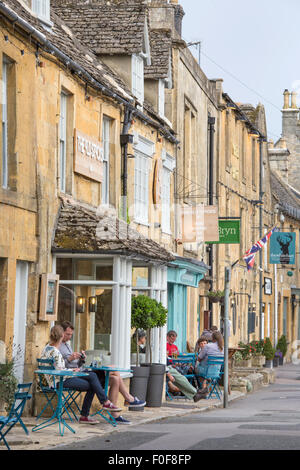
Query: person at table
point(201, 342)
point(177, 382)
point(141, 341)
point(89, 383)
point(214, 348)
point(116, 384)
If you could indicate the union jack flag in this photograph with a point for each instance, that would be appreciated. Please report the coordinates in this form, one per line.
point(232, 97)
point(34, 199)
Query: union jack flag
point(250, 254)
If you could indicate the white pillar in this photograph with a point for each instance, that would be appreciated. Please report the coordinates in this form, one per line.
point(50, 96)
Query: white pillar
point(116, 337)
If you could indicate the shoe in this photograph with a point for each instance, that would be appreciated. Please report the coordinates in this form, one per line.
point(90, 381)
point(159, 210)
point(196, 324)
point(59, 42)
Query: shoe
point(135, 402)
point(111, 407)
point(199, 395)
point(88, 420)
point(121, 420)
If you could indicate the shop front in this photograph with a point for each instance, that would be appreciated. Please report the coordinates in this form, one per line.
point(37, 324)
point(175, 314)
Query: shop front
point(182, 273)
point(97, 282)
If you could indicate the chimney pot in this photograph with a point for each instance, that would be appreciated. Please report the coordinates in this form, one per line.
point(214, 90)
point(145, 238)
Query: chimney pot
point(286, 103)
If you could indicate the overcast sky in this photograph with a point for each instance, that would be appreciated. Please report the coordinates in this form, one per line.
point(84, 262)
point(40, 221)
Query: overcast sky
point(256, 43)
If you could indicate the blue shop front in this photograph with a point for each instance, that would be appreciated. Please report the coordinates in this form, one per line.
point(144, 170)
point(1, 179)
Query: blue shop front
point(182, 273)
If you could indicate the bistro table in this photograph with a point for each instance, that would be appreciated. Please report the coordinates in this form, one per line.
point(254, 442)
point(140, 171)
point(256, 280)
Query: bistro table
point(107, 370)
point(57, 416)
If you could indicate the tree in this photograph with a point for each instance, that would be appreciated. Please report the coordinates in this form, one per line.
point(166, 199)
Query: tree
point(147, 313)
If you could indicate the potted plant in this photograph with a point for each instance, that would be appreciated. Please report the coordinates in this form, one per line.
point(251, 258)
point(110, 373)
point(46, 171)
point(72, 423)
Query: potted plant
point(8, 385)
point(257, 357)
point(269, 352)
point(244, 359)
point(147, 313)
point(281, 347)
point(276, 358)
point(216, 295)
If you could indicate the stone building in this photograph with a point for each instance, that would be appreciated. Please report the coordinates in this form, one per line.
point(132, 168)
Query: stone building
point(72, 196)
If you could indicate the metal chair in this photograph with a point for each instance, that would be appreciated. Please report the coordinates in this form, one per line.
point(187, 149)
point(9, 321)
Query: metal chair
point(14, 416)
point(212, 373)
point(69, 398)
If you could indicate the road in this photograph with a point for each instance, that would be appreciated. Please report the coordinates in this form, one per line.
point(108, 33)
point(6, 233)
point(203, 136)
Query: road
point(268, 419)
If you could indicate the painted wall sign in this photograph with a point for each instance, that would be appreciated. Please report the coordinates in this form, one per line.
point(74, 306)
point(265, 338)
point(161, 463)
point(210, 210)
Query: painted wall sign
point(229, 231)
point(282, 248)
point(88, 156)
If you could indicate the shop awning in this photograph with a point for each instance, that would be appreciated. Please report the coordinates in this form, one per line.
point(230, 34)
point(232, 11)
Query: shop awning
point(187, 271)
point(82, 229)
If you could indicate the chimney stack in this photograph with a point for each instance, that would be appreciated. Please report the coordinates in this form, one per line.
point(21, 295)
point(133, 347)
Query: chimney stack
point(286, 102)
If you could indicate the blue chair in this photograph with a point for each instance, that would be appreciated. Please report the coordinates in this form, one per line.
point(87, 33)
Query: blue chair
point(212, 372)
point(14, 416)
point(69, 397)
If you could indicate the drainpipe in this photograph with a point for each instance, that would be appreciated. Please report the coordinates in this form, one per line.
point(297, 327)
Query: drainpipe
point(261, 193)
point(211, 125)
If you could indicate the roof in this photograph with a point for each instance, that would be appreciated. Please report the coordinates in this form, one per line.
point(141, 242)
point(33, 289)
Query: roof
point(115, 27)
point(160, 46)
point(287, 198)
point(81, 228)
point(65, 40)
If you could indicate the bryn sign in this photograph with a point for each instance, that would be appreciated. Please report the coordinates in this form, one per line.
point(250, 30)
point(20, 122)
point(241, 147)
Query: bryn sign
point(229, 231)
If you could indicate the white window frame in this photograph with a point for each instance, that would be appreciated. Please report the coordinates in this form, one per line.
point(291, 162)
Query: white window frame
point(141, 188)
point(42, 9)
point(4, 125)
point(63, 141)
point(106, 159)
point(169, 165)
point(137, 68)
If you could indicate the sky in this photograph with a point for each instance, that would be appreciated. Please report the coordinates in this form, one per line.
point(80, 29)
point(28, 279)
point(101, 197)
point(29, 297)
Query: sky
point(253, 46)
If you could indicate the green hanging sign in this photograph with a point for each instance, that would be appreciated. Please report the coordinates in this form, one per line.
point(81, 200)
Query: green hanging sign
point(229, 231)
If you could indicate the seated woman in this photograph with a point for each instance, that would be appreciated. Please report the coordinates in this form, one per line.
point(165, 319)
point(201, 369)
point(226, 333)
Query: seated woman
point(215, 348)
point(89, 383)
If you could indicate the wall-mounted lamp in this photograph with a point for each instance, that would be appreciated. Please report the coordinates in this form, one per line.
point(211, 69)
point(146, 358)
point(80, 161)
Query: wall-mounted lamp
point(93, 304)
point(80, 304)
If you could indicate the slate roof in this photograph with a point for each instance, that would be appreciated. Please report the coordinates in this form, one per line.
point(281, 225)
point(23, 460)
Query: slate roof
point(83, 229)
point(160, 46)
point(115, 27)
point(65, 40)
point(285, 196)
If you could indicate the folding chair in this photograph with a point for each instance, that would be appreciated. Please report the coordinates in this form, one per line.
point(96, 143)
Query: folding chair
point(69, 398)
point(213, 374)
point(14, 416)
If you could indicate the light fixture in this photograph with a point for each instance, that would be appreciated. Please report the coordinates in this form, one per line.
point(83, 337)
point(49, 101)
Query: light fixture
point(93, 304)
point(80, 304)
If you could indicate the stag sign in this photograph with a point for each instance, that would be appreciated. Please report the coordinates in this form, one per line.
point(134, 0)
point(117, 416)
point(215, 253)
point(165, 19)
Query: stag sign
point(282, 248)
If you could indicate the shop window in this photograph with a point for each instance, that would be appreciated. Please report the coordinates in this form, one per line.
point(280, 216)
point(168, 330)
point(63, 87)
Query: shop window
point(140, 277)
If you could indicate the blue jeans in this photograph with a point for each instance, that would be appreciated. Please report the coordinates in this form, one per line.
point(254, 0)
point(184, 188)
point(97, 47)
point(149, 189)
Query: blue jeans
point(89, 384)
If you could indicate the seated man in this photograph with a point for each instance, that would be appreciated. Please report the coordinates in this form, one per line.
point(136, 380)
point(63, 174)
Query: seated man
point(74, 359)
point(177, 381)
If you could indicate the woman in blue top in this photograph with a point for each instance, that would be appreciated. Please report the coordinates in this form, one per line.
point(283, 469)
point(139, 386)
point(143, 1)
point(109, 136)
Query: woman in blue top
point(215, 348)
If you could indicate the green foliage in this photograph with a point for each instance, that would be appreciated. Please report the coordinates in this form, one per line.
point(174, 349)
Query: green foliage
point(257, 347)
point(282, 345)
point(268, 351)
point(245, 352)
point(8, 384)
point(147, 313)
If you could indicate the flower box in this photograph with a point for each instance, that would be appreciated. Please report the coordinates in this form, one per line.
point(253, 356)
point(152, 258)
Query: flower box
point(243, 363)
point(258, 361)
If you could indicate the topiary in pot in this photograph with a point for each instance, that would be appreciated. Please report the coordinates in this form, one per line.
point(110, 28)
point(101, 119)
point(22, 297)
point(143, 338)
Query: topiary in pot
point(268, 351)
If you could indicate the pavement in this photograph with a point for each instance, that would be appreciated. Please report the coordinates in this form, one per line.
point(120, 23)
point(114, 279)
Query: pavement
point(49, 437)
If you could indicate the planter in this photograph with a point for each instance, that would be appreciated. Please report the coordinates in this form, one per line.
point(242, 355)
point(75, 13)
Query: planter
point(281, 359)
point(269, 363)
point(142, 358)
point(258, 361)
point(139, 384)
point(276, 361)
point(155, 384)
point(244, 363)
